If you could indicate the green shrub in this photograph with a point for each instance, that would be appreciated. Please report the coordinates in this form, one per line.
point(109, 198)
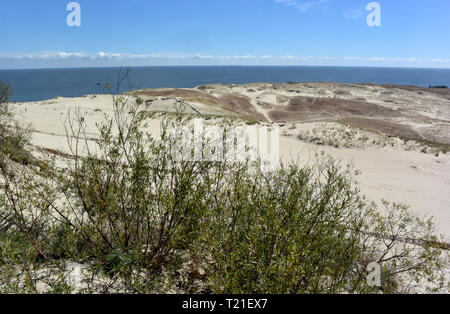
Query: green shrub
point(5, 96)
point(128, 208)
point(12, 138)
point(285, 232)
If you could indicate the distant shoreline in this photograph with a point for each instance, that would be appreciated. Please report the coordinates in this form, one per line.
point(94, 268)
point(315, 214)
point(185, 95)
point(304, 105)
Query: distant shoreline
point(44, 84)
point(227, 66)
point(431, 89)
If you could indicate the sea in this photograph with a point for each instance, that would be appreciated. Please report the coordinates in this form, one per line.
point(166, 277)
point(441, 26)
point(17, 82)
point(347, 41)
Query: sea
point(42, 84)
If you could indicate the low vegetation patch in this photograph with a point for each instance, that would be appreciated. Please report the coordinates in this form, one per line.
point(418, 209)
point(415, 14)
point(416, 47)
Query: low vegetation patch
point(140, 220)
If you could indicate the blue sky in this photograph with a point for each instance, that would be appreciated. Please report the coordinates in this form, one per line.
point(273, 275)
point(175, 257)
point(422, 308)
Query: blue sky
point(413, 33)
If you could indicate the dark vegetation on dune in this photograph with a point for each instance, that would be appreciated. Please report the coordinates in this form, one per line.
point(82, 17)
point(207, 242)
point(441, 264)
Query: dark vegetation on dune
point(150, 223)
point(438, 90)
point(304, 108)
point(237, 104)
point(395, 130)
point(356, 112)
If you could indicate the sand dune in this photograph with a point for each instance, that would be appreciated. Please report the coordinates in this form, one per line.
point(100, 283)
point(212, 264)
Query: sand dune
point(398, 136)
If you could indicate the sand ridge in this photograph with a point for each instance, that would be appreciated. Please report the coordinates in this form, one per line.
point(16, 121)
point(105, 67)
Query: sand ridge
point(396, 136)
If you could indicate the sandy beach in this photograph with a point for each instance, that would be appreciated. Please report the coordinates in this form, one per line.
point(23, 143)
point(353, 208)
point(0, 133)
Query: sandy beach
point(397, 136)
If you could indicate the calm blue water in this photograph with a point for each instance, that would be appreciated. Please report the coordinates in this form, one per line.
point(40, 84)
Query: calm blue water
point(33, 85)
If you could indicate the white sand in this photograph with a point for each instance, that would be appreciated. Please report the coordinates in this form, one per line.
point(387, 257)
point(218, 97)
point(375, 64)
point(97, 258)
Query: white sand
point(417, 179)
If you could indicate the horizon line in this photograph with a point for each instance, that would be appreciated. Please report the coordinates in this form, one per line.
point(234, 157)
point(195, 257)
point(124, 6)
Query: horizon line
point(225, 65)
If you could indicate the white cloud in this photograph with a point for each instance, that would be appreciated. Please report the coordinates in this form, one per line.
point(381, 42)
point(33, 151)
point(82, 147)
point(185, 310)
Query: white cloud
point(103, 55)
point(287, 57)
point(302, 6)
point(64, 55)
point(200, 56)
point(50, 59)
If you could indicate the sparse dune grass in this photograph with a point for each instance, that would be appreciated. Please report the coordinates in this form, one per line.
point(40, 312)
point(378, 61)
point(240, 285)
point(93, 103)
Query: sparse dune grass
point(141, 221)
